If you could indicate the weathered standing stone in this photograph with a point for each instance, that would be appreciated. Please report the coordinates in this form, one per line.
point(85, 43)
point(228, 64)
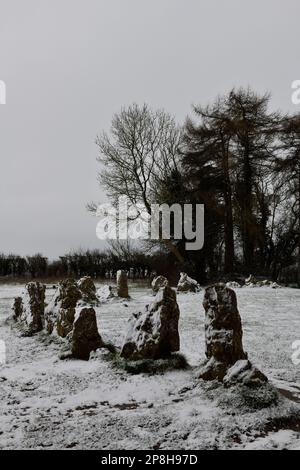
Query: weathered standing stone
point(227, 360)
point(158, 282)
point(60, 313)
point(233, 285)
point(223, 331)
point(187, 284)
point(153, 334)
point(122, 284)
point(85, 335)
point(29, 309)
point(88, 289)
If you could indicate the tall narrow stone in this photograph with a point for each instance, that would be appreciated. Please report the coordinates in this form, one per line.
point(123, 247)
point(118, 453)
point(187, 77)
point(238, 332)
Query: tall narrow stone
point(223, 338)
point(122, 284)
point(223, 331)
point(29, 309)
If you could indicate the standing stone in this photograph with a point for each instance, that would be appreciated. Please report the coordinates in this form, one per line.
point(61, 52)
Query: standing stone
point(227, 360)
point(60, 313)
point(153, 334)
point(158, 282)
point(223, 331)
point(29, 309)
point(187, 284)
point(122, 284)
point(88, 290)
point(85, 335)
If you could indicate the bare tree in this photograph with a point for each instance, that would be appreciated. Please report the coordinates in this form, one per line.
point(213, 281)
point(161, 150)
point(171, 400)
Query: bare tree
point(137, 157)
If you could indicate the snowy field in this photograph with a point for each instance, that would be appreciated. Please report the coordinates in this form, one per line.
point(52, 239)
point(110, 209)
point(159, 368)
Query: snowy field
point(47, 403)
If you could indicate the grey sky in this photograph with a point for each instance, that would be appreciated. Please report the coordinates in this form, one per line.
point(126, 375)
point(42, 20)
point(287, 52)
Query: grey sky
point(70, 64)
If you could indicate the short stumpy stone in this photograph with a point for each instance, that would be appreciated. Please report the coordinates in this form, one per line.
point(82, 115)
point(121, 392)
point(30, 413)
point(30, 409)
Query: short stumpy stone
point(158, 282)
point(85, 335)
point(29, 309)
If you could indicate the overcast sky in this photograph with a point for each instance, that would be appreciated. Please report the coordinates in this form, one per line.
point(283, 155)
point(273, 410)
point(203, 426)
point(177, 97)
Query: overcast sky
point(70, 64)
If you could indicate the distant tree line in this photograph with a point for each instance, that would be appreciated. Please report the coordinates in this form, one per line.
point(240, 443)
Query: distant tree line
point(95, 263)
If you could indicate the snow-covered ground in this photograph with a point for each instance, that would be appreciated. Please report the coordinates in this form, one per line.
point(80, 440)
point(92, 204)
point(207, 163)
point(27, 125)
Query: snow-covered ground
point(50, 403)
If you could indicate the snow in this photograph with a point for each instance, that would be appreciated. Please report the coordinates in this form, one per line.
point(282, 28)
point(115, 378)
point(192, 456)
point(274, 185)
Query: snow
point(105, 293)
point(47, 403)
point(279, 440)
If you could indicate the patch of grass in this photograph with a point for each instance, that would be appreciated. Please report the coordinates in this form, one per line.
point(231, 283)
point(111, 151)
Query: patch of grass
point(260, 397)
point(291, 423)
point(47, 339)
point(152, 366)
point(20, 328)
point(248, 399)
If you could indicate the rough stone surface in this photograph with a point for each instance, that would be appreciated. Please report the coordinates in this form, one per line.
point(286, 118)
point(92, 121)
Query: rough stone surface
point(251, 280)
point(85, 335)
point(122, 284)
point(29, 309)
point(274, 285)
point(187, 284)
point(243, 372)
point(60, 313)
point(223, 331)
point(88, 290)
point(158, 282)
point(153, 334)
point(227, 360)
point(223, 326)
